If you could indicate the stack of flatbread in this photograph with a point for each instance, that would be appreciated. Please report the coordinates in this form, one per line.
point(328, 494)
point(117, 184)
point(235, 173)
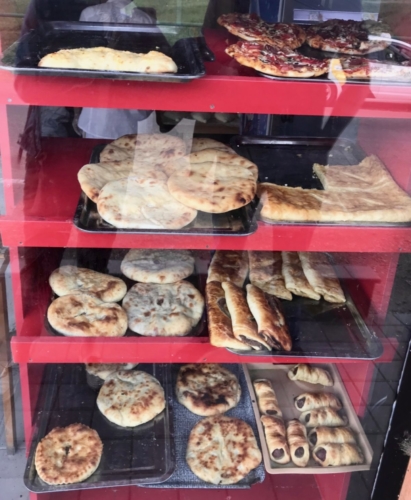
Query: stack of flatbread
point(241, 319)
point(364, 192)
point(307, 274)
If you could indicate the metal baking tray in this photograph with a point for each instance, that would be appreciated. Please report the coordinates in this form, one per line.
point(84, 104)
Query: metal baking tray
point(286, 390)
point(185, 420)
point(131, 456)
point(188, 53)
point(288, 161)
point(79, 258)
point(240, 222)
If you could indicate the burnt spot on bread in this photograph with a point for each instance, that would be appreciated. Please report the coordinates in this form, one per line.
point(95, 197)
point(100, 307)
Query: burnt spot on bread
point(81, 325)
point(75, 303)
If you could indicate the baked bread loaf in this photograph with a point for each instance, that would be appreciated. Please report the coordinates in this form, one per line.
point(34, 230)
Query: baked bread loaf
point(222, 450)
point(66, 280)
point(228, 265)
point(311, 374)
point(312, 400)
point(103, 370)
point(266, 398)
point(94, 176)
point(322, 416)
point(207, 389)
point(324, 435)
point(130, 397)
point(333, 454)
point(68, 455)
point(157, 266)
point(266, 273)
point(294, 277)
point(298, 443)
point(200, 143)
point(84, 315)
point(275, 435)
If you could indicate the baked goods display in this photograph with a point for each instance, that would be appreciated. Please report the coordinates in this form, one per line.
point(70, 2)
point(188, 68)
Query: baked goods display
point(311, 374)
point(130, 397)
point(207, 389)
point(68, 455)
point(275, 435)
point(266, 398)
point(357, 193)
point(107, 59)
point(231, 440)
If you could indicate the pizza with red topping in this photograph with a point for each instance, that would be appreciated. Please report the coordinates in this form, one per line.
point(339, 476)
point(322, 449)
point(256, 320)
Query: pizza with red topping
point(349, 37)
point(369, 69)
point(251, 27)
point(276, 61)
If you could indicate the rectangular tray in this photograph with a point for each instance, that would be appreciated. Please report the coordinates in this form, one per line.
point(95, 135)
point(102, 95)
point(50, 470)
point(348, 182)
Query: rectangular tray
point(288, 161)
point(131, 456)
point(240, 222)
point(187, 53)
point(286, 390)
point(81, 258)
point(185, 420)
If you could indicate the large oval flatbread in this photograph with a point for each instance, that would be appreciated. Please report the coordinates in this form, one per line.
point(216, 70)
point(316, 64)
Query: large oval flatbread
point(130, 397)
point(207, 389)
point(163, 310)
point(157, 266)
point(103, 370)
point(222, 450)
point(106, 59)
point(144, 148)
point(72, 279)
point(205, 143)
point(83, 315)
point(139, 202)
point(68, 454)
point(213, 187)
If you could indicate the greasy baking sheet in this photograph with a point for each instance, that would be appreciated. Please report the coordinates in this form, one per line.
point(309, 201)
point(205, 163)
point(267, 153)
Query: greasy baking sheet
point(240, 222)
point(286, 390)
point(185, 420)
point(187, 53)
point(80, 258)
point(288, 161)
point(131, 456)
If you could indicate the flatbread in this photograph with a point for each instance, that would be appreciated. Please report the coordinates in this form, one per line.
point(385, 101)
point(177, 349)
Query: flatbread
point(93, 177)
point(294, 277)
point(72, 279)
point(84, 315)
point(321, 276)
point(68, 455)
point(140, 202)
point(103, 370)
point(207, 389)
point(151, 149)
point(107, 59)
point(219, 322)
point(213, 187)
point(131, 397)
point(228, 265)
point(266, 273)
point(222, 450)
point(163, 310)
point(157, 266)
point(205, 143)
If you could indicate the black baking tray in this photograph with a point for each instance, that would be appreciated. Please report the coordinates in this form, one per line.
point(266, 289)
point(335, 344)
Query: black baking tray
point(112, 267)
point(131, 456)
point(288, 161)
point(240, 222)
point(188, 53)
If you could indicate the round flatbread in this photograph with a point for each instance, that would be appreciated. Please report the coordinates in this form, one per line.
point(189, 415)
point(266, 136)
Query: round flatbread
point(157, 266)
point(83, 315)
point(222, 450)
point(163, 310)
point(144, 148)
point(213, 187)
point(103, 370)
point(142, 203)
point(68, 454)
point(207, 389)
point(130, 397)
point(199, 144)
point(73, 279)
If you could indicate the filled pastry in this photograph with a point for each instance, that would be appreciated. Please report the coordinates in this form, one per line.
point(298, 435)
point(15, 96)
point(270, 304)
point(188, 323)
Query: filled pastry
point(266, 398)
point(334, 454)
point(310, 374)
point(298, 443)
point(325, 435)
point(322, 416)
point(311, 400)
point(275, 436)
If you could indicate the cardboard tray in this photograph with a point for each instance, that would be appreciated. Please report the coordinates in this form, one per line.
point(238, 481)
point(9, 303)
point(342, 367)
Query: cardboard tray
point(286, 390)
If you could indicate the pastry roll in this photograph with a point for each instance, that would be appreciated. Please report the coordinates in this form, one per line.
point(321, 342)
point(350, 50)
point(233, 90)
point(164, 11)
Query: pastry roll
point(270, 320)
point(311, 400)
point(334, 454)
point(266, 273)
point(266, 398)
point(294, 277)
point(275, 436)
point(298, 443)
point(310, 374)
point(228, 265)
point(244, 326)
point(325, 435)
point(322, 416)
